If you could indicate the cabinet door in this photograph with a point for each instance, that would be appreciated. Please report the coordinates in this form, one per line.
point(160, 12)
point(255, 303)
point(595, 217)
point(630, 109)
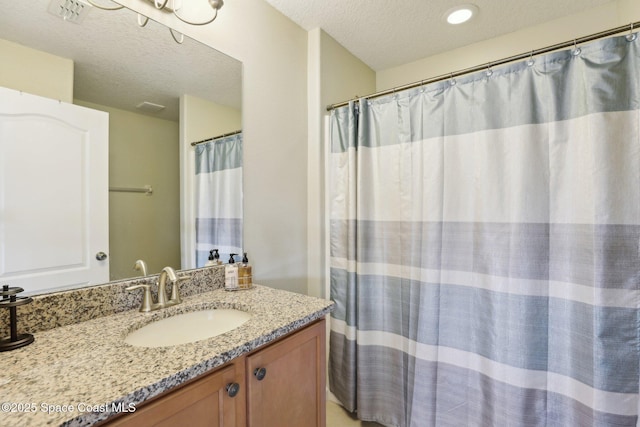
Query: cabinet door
point(203, 403)
point(286, 381)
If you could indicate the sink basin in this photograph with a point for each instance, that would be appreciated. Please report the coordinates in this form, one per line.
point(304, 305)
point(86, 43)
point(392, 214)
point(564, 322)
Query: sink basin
point(187, 327)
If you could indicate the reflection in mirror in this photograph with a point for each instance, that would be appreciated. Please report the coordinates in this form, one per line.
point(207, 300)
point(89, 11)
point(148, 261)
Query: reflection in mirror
point(140, 76)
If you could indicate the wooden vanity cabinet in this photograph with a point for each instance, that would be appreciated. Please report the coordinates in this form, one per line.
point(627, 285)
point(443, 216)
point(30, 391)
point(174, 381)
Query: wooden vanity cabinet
point(286, 381)
point(213, 400)
point(280, 385)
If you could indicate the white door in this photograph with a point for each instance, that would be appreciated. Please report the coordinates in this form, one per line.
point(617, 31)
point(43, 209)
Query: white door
point(54, 200)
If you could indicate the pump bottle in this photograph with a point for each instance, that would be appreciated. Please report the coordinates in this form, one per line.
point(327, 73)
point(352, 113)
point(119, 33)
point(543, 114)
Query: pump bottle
point(245, 280)
point(214, 258)
point(231, 274)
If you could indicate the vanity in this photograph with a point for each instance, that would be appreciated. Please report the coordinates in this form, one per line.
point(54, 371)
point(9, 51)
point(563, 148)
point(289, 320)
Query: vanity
point(282, 384)
point(269, 371)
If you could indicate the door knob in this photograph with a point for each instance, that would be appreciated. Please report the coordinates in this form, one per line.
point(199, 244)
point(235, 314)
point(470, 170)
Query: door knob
point(101, 256)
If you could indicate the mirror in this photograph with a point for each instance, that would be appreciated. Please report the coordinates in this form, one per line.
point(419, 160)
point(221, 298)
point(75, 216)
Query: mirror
point(117, 66)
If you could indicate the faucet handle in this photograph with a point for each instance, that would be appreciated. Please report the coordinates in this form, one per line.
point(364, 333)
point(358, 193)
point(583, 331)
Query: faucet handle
point(146, 296)
point(162, 292)
point(175, 294)
point(175, 291)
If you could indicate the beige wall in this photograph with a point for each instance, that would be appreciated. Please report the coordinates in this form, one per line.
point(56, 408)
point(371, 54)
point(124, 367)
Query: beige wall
point(199, 120)
point(343, 75)
point(143, 150)
point(610, 15)
point(203, 119)
point(35, 72)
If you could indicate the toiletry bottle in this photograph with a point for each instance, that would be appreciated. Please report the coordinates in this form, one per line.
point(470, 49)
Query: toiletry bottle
point(244, 274)
point(231, 274)
point(216, 257)
point(212, 260)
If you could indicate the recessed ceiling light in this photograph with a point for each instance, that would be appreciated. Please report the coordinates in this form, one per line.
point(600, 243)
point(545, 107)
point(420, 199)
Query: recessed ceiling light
point(460, 14)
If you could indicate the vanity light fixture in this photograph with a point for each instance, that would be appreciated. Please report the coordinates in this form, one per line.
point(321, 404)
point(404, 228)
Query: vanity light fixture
point(172, 6)
point(105, 5)
point(169, 6)
point(460, 14)
point(176, 6)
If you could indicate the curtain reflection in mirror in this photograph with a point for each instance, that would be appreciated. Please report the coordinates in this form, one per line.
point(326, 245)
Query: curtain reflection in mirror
point(218, 197)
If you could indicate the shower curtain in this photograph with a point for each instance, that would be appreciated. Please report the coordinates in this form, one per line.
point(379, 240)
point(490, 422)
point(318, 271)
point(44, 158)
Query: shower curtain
point(484, 238)
point(219, 198)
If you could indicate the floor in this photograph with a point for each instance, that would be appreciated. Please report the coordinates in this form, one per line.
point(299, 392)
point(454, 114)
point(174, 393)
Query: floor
point(338, 417)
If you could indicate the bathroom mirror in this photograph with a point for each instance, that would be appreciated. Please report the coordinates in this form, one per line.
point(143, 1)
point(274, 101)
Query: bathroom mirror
point(118, 65)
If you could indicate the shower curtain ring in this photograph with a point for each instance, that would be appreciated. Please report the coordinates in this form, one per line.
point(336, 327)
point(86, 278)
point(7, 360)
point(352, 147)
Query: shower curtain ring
point(489, 70)
point(530, 61)
point(576, 50)
point(631, 36)
point(452, 81)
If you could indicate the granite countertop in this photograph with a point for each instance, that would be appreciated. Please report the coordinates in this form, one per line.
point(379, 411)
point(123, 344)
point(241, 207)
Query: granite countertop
point(70, 370)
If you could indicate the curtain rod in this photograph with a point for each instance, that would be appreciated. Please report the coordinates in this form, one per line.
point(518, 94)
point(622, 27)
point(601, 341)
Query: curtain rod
point(503, 61)
point(224, 135)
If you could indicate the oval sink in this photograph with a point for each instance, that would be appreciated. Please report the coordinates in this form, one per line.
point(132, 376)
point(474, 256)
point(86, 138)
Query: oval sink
point(187, 327)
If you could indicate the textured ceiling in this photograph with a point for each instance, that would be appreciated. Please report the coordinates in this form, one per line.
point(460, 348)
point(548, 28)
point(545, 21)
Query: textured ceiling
point(119, 64)
point(385, 34)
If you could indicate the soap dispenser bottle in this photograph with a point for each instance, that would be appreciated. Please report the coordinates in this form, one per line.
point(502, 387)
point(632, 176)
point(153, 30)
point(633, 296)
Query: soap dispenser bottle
point(231, 274)
point(214, 258)
point(211, 262)
point(244, 274)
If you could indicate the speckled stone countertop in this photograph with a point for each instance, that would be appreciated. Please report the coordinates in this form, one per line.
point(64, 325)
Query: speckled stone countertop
point(88, 364)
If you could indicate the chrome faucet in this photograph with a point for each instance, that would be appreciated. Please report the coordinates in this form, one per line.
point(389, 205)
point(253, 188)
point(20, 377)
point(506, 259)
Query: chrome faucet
point(162, 301)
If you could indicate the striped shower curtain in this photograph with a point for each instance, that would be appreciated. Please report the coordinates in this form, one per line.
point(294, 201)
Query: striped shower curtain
point(485, 237)
point(219, 198)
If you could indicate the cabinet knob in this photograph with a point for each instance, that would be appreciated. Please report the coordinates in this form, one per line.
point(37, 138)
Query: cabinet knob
point(233, 389)
point(101, 256)
point(260, 373)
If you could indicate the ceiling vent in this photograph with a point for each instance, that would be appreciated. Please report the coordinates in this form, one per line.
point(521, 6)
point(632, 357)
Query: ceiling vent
point(150, 107)
point(69, 10)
